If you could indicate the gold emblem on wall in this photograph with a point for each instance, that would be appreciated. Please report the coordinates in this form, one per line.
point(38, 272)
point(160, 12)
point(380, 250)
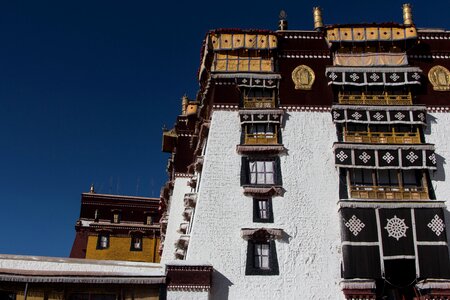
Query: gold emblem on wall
point(439, 77)
point(303, 77)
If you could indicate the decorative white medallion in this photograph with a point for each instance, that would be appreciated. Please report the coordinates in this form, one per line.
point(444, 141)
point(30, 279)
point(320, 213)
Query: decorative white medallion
point(436, 225)
point(396, 227)
point(270, 81)
point(374, 77)
point(412, 157)
point(275, 117)
point(416, 76)
point(245, 117)
point(365, 157)
point(357, 115)
point(399, 116)
point(257, 81)
point(432, 157)
point(336, 114)
point(354, 76)
point(355, 225)
point(332, 76)
point(244, 80)
point(421, 116)
point(394, 77)
point(341, 156)
point(378, 116)
point(388, 157)
point(260, 116)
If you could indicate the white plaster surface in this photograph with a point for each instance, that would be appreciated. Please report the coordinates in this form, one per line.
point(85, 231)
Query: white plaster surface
point(187, 295)
point(309, 255)
point(175, 217)
point(438, 133)
point(84, 266)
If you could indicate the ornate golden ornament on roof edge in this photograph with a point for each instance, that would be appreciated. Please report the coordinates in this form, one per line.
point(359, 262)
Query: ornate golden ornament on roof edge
point(439, 77)
point(303, 77)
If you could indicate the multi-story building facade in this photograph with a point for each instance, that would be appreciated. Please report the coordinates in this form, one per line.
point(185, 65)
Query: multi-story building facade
point(115, 227)
point(312, 164)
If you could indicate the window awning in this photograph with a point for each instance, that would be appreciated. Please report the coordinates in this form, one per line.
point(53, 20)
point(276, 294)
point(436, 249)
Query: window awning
point(370, 59)
point(261, 233)
point(385, 156)
point(261, 116)
point(373, 76)
point(379, 114)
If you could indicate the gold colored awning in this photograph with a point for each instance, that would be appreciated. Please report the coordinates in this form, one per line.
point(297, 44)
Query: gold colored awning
point(363, 34)
point(234, 41)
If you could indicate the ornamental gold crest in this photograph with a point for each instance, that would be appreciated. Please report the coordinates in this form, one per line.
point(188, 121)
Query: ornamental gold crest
point(439, 77)
point(303, 77)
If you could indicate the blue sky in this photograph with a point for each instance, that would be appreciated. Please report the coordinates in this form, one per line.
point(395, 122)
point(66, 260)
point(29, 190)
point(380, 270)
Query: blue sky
point(86, 86)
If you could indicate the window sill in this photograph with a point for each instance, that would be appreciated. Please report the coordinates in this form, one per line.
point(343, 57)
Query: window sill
point(260, 148)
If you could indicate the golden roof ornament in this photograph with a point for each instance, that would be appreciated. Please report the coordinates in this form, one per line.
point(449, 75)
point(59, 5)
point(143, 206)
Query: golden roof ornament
point(92, 189)
point(282, 23)
point(439, 77)
point(318, 22)
point(303, 77)
point(407, 14)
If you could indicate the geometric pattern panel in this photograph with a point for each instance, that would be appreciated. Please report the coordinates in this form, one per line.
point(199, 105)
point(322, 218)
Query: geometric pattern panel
point(387, 115)
point(394, 157)
point(373, 76)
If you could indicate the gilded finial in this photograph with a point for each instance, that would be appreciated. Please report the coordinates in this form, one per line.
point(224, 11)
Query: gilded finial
point(92, 189)
point(407, 14)
point(282, 23)
point(184, 104)
point(317, 14)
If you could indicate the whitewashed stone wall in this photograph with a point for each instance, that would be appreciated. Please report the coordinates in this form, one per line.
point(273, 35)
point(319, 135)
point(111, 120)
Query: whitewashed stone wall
point(438, 133)
point(309, 257)
point(175, 217)
point(187, 295)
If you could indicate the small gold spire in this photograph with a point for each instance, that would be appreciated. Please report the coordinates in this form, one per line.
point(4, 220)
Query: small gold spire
point(407, 14)
point(283, 23)
point(318, 22)
point(184, 104)
point(92, 189)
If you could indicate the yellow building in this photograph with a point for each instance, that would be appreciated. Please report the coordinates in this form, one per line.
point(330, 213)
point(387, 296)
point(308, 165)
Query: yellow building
point(114, 227)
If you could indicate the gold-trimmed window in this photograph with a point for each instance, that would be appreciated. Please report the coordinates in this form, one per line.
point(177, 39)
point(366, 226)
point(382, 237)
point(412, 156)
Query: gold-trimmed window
point(387, 184)
point(258, 98)
point(242, 61)
point(260, 133)
point(381, 134)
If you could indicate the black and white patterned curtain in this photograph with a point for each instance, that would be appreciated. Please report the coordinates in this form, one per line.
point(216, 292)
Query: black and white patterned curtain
point(385, 156)
point(373, 76)
point(376, 115)
point(372, 235)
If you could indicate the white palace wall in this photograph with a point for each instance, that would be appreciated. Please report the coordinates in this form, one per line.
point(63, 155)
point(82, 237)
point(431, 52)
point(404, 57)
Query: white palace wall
point(309, 253)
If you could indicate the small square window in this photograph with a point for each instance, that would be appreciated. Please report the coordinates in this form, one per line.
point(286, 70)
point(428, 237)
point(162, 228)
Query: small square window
point(149, 220)
point(136, 243)
point(262, 210)
point(103, 241)
point(260, 171)
point(117, 216)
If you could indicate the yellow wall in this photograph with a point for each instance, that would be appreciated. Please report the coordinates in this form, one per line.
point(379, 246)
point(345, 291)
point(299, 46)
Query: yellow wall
point(42, 291)
point(119, 249)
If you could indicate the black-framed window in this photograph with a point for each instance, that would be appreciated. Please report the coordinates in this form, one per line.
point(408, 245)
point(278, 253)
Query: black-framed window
point(412, 178)
point(387, 177)
point(262, 210)
point(116, 216)
point(103, 241)
point(136, 243)
point(261, 258)
point(361, 177)
point(261, 171)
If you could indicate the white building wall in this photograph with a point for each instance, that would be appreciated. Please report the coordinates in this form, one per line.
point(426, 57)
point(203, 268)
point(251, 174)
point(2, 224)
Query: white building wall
point(438, 133)
point(187, 295)
point(309, 256)
point(175, 217)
